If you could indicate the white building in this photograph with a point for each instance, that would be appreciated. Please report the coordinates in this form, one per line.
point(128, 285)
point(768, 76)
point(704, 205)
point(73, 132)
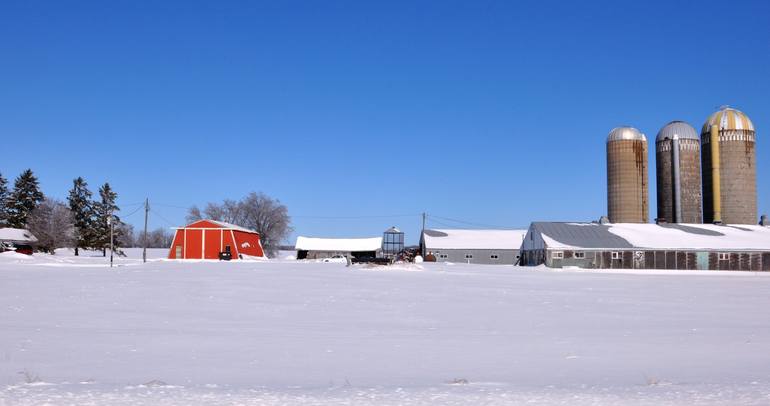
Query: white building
point(318, 248)
point(473, 246)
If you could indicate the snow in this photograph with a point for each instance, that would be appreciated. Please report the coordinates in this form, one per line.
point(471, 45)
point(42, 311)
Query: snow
point(475, 239)
point(338, 244)
point(17, 235)
point(741, 237)
point(287, 332)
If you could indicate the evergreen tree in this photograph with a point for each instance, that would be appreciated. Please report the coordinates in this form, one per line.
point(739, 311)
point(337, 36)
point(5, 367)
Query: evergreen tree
point(26, 196)
point(82, 208)
point(105, 209)
point(3, 199)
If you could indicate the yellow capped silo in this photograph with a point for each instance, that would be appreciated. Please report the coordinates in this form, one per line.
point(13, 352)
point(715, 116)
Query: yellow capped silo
point(627, 196)
point(729, 168)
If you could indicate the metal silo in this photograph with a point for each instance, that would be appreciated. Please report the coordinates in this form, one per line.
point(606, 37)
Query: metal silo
point(729, 168)
point(627, 196)
point(677, 152)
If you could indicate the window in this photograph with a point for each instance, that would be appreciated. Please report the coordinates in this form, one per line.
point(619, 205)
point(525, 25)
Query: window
point(443, 256)
point(580, 255)
point(493, 256)
point(468, 256)
point(724, 256)
point(615, 255)
point(557, 255)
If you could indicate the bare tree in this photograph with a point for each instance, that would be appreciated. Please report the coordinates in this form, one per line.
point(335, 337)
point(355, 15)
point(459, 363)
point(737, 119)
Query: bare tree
point(268, 217)
point(257, 211)
point(52, 223)
point(193, 214)
point(158, 238)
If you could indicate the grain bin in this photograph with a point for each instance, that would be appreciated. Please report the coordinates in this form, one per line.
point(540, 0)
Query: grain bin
point(677, 152)
point(627, 196)
point(729, 168)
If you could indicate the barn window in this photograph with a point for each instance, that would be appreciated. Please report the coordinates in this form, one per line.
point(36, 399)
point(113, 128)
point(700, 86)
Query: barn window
point(557, 255)
point(615, 255)
point(443, 256)
point(580, 255)
point(724, 256)
point(493, 256)
point(468, 256)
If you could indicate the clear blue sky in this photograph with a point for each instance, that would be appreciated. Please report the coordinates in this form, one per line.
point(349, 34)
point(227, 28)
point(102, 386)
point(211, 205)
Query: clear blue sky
point(488, 112)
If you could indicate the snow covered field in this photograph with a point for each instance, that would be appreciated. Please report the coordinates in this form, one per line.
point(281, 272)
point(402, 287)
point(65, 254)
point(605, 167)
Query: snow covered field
point(74, 331)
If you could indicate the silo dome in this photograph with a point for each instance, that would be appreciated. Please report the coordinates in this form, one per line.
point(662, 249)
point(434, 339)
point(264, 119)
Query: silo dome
point(679, 128)
point(728, 118)
point(625, 133)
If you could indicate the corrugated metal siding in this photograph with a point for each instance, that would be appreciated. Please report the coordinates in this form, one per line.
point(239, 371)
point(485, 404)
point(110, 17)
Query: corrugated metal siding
point(505, 257)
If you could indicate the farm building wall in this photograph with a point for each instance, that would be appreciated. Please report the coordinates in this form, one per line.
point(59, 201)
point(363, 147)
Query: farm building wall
point(650, 259)
point(312, 254)
point(207, 243)
point(477, 256)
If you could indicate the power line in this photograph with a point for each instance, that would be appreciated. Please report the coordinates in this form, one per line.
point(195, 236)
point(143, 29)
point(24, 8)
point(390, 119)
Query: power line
point(132, 213)
point(163, 218)
point(471, 223)
point(356, 217)
point(170, 205)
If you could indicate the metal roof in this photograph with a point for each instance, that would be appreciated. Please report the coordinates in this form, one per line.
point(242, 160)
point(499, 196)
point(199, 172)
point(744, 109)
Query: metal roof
point(584, 235)
point(18, 235)
point(625, 133)
point(678, 129)
point(473, 239)
point(728, 118)
point(338, 244)
point(654, 236)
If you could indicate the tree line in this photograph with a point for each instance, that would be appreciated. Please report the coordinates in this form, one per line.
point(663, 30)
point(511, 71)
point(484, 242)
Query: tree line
point(82, 222)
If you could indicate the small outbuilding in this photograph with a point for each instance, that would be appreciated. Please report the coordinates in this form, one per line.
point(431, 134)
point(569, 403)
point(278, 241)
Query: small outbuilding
point(320, 248)
point(206, 239)
point(648, 246)
point(473, 246)
point(17, 239)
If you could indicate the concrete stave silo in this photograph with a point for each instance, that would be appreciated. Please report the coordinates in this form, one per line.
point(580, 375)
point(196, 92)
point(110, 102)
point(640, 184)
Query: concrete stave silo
point(627, 195)
point(730, 180)
point(678, 164)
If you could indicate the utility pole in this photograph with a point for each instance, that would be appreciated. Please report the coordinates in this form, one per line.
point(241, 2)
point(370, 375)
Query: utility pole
point(422, 234)
point(111, 223)
point(144, 242)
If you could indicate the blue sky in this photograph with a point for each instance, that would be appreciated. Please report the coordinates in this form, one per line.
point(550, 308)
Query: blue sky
point(493, 113)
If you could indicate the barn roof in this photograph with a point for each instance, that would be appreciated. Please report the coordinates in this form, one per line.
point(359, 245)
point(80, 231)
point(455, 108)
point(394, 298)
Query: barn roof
point(654, 236)
point(338, 244)
point(17, 235)
point(219, 224)
point(473, 239)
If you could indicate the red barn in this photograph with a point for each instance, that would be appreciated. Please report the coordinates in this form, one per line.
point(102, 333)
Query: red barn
point(205, 239)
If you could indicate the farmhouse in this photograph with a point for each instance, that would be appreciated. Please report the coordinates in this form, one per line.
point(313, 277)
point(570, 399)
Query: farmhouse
point(648, 246)
point(17, 239)
point(319, 248)
point(206, 239)
point(473, 246)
